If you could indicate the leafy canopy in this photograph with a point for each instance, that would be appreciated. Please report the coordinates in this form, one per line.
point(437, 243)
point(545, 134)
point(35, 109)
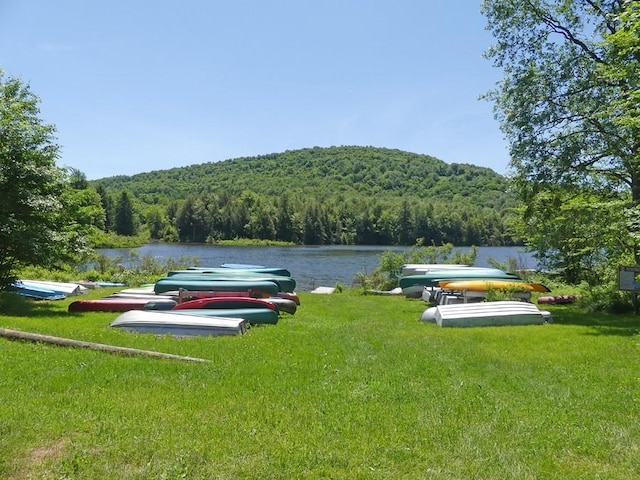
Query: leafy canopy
point(36, 227)
point(568, 106)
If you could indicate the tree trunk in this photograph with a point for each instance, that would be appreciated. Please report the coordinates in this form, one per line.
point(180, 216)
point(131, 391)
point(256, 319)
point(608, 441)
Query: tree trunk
point(67, 342)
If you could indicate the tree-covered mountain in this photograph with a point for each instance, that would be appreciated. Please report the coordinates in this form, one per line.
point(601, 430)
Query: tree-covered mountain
point(325, 195)
point(323, 173)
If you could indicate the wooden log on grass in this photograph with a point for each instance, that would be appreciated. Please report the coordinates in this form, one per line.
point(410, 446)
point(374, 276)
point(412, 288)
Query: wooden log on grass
point(67, 342)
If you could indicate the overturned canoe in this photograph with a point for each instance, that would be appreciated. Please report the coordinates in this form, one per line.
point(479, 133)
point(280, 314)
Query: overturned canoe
point(283, 304)
point(273, 303)
point(281, 298)
point(175, 283)
point(421, 268)
point(166, 323)
point(283, 272)
point(482, 285)
point(225, 302)
point(36, 292)
point(557, 299)
point(487, 314)
point(252, 315)
point(434, 277)
point(119, 304)
point(64, 288)
point(285, 284)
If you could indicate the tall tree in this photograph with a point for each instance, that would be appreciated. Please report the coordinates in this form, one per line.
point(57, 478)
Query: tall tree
point(156, 221)
point(555, 108)
point(125, 220)
point(35, 228)
point(109, 208)
point(83, 204)
point(186, 222)
point(406, 224)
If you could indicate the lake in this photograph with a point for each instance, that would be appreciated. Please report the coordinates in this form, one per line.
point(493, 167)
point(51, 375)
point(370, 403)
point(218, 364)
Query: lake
point(311, 266)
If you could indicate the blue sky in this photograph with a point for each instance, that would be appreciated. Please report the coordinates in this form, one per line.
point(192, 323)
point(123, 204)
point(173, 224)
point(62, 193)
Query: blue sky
point(141, 85)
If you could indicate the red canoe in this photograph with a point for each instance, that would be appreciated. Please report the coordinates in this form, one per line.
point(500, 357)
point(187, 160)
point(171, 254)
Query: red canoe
point(120, 305)
point(185, 295)
point(557, 299)
point(225, 302)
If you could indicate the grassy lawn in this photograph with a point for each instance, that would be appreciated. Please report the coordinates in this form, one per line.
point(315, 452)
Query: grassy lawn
point(349, 387)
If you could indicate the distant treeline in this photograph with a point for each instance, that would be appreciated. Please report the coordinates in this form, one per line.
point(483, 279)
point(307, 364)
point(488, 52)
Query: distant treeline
point(339, 195)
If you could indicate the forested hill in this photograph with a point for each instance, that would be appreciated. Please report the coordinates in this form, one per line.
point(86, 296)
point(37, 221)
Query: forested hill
point(346, 195)
point(324, 173)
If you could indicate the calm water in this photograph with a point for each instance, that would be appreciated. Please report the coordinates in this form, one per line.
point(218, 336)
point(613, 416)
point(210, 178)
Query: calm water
point(310, 266)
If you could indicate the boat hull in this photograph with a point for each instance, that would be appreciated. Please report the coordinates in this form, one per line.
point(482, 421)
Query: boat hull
point(285, 284)
point(225, 302)
point(433, 278)
point(61, 287)
point(485, 285)
point(120, 304)
point(252, 315)
point(256, 269)
point(175, 283)
point(36, 292)
point(165, 323)
point(487, 314)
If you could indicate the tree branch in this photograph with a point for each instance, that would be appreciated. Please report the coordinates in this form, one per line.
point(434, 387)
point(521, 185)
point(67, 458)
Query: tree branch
point(557, 27)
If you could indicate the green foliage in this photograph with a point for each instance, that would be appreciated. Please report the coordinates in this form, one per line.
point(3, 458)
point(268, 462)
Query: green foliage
point(108, 206)
point(337, 195)
point(323, 173)
point(387, 274)
point(38, 209)
point(101, 239)
point(568, 106)
point(134, 269)
point(156, 222)
point(606, 297)
point(131, 269)
point(125, 219)
point(622, 71)
point(250, 242)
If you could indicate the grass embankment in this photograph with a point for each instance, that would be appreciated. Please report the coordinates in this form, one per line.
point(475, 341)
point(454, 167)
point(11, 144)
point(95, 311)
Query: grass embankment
point(348, 387)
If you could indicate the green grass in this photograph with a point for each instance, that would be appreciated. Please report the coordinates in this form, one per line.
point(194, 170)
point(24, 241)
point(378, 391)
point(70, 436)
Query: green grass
point(349, 387)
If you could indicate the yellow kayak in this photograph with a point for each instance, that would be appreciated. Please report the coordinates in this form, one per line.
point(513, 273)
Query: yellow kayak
point(484, 285)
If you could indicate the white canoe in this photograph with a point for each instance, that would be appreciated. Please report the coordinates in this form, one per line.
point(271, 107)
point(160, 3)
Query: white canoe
point(61, 287)
point(419, 268)
point(148, 290)
point(167, 323)
point(490, 314)
point(413, 291)
point(151, 297)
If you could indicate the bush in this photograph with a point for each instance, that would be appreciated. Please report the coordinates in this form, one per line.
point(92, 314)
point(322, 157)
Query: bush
point(132, 270)
point(606, 297)
point(386, 276)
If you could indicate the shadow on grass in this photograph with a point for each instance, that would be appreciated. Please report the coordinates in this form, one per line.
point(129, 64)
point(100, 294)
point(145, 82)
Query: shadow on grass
point(20, 306)
point(626, 324)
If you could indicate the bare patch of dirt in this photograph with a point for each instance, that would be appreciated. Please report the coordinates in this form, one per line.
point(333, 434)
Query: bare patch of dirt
point(38, 456)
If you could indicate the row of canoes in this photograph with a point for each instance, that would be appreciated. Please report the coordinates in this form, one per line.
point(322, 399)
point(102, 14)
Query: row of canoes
point(457, 296)
point(201, 301)
point(433, 276)
point(462, 278)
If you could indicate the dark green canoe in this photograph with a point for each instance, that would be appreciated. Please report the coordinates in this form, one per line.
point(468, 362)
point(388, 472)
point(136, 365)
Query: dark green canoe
point(175, 283)
point(251, 315)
